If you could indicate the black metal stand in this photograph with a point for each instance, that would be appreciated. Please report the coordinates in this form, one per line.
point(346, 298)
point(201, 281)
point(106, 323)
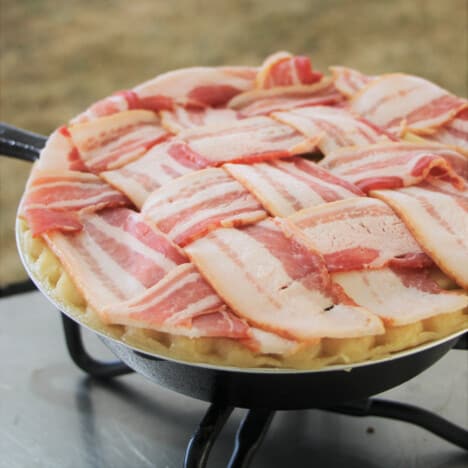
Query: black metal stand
point(257, 421)
point(249, 436)
point(79, 355)
point(408, 413)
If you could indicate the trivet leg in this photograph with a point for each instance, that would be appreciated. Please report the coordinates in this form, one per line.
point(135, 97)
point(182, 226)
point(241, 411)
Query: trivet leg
point(201, 442)
point(83, 360)
point(409, 413)
point(249, 437)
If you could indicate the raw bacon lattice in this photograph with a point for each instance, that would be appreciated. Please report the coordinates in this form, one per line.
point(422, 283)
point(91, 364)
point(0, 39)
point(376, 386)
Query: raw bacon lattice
point(258, 216)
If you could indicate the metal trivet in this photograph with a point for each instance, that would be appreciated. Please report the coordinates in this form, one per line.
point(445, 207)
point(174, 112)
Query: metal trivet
point(255, 424)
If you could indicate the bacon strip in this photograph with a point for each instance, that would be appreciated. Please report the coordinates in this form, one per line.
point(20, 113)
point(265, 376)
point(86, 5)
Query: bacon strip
point(278, 283)
point(182, 303)
point(60, 154)
point(400, 297)
point(437, 216)
point(394, 165)
point(183, 118)
point(112, 141)
point(359, 233)
point(53, 199)
point(200, 86)
point(264, 102)
point(396, 100)
point(349, 81)
point(122, 101)
point(454, 133)
point(289, 185)
point(116, 256)
point(248, 140)
point(263, 342)
point(284, 69)
point(338, 126)
point(193, 205)
point(161, 164)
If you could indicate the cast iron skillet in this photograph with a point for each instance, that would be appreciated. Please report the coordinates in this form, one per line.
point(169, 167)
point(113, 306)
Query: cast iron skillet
point(279, 389)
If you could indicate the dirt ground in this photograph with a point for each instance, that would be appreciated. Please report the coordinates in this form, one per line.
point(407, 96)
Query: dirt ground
point(57, 57)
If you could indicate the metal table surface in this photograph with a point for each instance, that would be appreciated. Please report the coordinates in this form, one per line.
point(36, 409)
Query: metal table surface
point(52, 415)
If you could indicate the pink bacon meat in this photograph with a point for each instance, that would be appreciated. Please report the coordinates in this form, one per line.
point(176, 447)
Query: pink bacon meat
point(338, 126)
point(113, 141)
point(399, 101)
point(289, 185)
point(116, 256)
point(284, 69)
point(196, 203)
point(248, 140)
point(359, 233)
point(53, 199)
point(269, 276)
point(162, 163)
point(393, 165)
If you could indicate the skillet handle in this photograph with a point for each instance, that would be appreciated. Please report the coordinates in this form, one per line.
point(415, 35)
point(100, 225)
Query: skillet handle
point(462, 342)
point(20, 144)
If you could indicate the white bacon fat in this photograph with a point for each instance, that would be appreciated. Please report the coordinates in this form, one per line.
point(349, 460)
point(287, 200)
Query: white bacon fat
point(400, 297)
point(289, 185)
point(192, 205)
point(277, 283)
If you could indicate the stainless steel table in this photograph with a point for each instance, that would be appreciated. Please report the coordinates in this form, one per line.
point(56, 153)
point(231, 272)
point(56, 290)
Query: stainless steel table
point(52, 415)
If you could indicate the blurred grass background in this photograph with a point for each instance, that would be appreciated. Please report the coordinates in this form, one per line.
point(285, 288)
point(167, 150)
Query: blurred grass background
point(59, 56)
